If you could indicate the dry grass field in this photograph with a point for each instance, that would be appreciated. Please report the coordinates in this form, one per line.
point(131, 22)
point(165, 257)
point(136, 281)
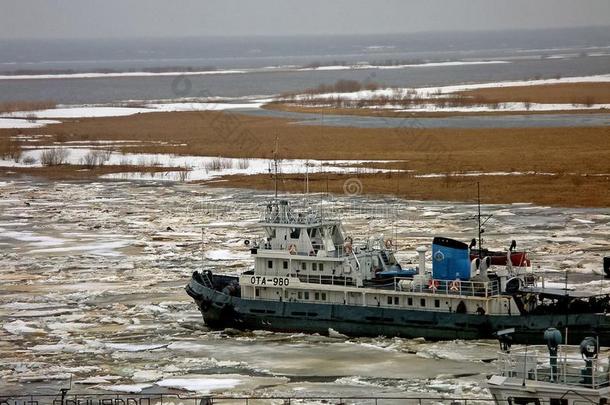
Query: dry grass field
point(581, 95)
point(556, 150)
point(560, 190)
point(566, 93)
point(577, 158)
point(378, 112)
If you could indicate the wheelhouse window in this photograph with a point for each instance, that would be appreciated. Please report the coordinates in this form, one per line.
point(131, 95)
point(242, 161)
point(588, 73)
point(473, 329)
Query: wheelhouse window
point(323, 296)
point(437, 303)
point(396, 300)
point(269, 264)
point(321, 266)
point(422, 302)
point(303, 266)
point(389, 300)
point(285, 264)
point(314, 266)
point(306, 293)
point(316, 296)
point(409, 301)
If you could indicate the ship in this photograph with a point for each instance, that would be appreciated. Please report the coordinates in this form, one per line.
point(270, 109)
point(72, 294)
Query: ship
point(551, 374)
point(310, 275)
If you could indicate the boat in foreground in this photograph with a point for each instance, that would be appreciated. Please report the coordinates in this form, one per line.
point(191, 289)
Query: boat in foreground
point(553, 374)
point(310, 276)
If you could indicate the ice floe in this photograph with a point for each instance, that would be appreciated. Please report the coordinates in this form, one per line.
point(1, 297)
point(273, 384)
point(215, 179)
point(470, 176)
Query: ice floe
point(20, 327)
point(224, 254)
point(203, 384)
point(126, 388)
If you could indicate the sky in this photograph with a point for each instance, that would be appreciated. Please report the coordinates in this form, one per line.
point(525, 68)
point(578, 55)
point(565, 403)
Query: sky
point(179, 18)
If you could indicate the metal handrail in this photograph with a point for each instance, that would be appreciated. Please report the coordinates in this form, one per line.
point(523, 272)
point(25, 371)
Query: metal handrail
point(173, 399)
point(534, 365)
point(452, 287)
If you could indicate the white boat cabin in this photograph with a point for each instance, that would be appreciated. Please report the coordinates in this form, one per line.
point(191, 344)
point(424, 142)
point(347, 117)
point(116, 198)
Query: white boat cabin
point(305, 257)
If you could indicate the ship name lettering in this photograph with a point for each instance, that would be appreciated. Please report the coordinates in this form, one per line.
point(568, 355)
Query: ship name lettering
point(277, 281)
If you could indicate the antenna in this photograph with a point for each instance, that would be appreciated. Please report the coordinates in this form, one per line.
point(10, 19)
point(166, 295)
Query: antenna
point(566, 300)
point(307, 165)
point(275, 153)
point(481, 230)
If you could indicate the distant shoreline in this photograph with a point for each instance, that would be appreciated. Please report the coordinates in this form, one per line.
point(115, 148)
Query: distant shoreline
point(32, 74)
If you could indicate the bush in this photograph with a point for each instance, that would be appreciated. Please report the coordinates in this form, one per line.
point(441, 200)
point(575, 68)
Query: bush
point(10, 149)
point(29, 160)
point(347, 86)
point(218, 164)
point(243, 164)
point(183, 174)
point(54, 157)
point(96, 158)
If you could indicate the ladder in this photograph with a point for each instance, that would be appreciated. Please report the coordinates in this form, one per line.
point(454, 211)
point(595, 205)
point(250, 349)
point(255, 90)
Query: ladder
point(384, 257)
point(207, 279)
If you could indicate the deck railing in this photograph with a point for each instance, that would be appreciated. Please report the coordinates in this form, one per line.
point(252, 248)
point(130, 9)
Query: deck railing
point(291, 217)
point(449, 287)
point(198, 399)
point(534, 363)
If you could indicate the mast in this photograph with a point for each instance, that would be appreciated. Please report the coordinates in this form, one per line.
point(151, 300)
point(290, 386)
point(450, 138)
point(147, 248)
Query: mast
point(479, 219)
point(275, 153)
point(307, 176)
point(481, 230)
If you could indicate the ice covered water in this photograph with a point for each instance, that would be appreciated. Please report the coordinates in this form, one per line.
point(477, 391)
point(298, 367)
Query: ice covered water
point(93, 278)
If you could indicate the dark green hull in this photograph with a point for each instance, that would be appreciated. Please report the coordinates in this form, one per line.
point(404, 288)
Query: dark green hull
point(220, 310)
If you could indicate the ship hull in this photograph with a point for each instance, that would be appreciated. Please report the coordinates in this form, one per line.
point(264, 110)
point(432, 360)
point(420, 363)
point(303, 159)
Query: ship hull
point(220, 310)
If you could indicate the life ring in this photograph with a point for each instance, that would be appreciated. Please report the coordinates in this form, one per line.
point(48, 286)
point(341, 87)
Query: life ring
point(389, 243)
point(433, 284)
point(455, 285)
point(347, 247)
point(292, 249)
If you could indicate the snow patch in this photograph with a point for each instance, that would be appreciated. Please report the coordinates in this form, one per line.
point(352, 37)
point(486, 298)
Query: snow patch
point(200, 384)
point(23, 123)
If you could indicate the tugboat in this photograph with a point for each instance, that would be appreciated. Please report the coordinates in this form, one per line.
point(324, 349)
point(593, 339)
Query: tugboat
point(310, 276)
point(555, 374)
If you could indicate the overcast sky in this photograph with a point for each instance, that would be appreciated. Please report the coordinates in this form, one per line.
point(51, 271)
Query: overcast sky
point(166, 18)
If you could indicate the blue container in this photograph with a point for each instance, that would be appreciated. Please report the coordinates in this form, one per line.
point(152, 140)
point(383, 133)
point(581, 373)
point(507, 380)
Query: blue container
point(450, 259)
